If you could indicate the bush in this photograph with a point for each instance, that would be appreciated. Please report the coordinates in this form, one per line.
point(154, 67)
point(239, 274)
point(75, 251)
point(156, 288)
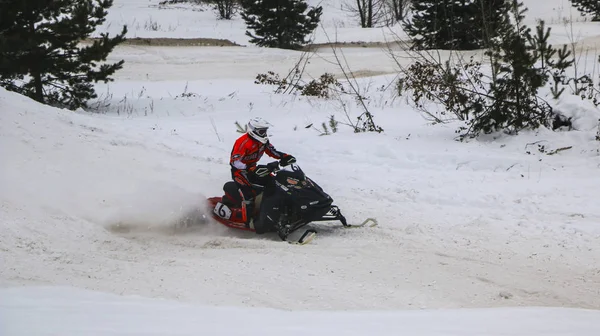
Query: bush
point(321, 87)
point(503, 94)
point(225, 9)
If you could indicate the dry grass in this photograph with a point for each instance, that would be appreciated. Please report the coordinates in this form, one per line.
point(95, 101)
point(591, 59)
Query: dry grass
point(210, 42)
point(328, 46)
point(176, 42)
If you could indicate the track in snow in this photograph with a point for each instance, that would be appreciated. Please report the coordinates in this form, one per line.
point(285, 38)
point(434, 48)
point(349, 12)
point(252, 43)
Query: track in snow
point(457, 228)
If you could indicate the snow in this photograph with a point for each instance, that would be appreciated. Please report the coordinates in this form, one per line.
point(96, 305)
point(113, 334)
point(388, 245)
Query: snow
point(66, 312)
point(148, 19)
point(492, 236)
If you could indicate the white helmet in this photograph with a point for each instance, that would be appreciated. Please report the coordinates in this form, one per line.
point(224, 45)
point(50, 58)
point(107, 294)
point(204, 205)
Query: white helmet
point(257, 129)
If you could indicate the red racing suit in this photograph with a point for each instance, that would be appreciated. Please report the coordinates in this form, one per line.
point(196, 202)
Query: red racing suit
point(246, 152)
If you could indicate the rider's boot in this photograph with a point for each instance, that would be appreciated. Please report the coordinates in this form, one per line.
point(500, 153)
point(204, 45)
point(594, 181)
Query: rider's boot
point(248, 212)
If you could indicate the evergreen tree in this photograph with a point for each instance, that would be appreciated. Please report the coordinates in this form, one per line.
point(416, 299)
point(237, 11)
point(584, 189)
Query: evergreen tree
point(39, 52)
point(280, 23)
point(521, 65)
point(507, 97)
point(588, 7)
point(454, 24)
point(424, 26)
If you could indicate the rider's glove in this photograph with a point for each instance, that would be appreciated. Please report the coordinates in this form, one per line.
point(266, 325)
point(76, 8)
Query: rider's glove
point(287, 159)
point(272, 166)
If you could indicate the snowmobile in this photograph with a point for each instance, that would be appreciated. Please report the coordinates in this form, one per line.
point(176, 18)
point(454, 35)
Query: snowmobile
point(291, 201)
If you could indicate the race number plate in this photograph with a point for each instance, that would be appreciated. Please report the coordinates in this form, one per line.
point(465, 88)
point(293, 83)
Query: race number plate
point(222, 211)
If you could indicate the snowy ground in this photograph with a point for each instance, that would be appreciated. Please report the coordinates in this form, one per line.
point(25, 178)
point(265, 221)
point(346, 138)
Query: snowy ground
point(148, 19)
point(91, 201)
point(66, 312)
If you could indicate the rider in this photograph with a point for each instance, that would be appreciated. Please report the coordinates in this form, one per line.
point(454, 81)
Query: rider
point(247, 151)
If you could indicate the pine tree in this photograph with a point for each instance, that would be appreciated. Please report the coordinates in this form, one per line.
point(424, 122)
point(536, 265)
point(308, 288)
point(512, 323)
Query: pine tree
point(588, 7)
point(424, 26)
point(454, 24)
point(506, 98)
point(280, 23)
point(39, 52)
point(517, 77)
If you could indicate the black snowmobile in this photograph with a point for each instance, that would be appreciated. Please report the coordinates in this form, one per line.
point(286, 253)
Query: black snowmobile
point(291, 201)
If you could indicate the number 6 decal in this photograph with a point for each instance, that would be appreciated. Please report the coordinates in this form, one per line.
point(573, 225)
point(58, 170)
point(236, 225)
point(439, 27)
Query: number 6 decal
point(222, 210)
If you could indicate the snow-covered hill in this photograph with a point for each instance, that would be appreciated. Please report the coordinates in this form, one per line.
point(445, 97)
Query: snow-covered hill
point(93, 201)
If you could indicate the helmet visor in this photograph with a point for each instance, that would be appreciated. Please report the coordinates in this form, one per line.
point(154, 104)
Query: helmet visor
point(261, 132)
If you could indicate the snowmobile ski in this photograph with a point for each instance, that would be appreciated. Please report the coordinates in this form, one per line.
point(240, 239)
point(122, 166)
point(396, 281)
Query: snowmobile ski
point(363, 224)
point(310, 234)
point(306, 238)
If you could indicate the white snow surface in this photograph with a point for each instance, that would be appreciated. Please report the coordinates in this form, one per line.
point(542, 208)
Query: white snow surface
point(68, 312)
point(149, 19)
point(93, 202)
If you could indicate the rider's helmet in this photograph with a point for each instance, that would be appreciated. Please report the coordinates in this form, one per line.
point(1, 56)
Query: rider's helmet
point(257, 129)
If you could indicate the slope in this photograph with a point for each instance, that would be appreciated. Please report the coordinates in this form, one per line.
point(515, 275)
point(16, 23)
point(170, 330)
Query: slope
point(92, 201)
